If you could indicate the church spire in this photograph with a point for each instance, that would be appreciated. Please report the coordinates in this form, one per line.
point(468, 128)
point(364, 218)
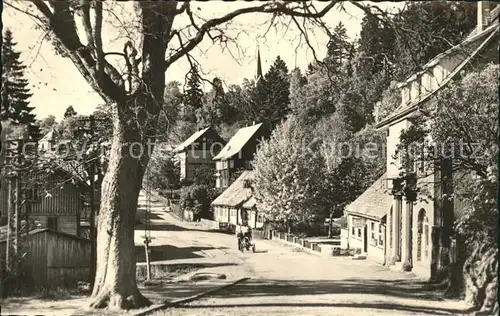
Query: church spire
point(259, 66)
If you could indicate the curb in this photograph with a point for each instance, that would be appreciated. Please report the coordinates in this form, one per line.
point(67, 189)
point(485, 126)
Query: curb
point(189, 299)
point(304, 249)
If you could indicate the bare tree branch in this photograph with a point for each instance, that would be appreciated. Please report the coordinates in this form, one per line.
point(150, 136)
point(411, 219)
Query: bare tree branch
point(270, 7)
point(62, 23)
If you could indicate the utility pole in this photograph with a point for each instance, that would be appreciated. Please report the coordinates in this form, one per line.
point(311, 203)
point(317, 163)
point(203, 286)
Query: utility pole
point(14, 164)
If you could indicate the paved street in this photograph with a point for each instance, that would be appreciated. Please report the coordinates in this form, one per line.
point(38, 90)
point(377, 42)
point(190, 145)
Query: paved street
point(288, 281)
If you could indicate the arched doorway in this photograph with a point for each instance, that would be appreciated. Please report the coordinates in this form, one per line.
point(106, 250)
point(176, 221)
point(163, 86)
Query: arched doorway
point(422, 235)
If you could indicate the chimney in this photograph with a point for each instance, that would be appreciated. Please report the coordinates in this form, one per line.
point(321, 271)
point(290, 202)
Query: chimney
point(483, 15)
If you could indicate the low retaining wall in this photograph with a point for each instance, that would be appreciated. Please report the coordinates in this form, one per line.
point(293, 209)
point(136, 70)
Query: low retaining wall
point(209, 223)
point(311, 246)
point(230, 228)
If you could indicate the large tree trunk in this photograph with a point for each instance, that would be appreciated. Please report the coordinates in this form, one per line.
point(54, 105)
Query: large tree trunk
point(115, 283)
point(481, 278)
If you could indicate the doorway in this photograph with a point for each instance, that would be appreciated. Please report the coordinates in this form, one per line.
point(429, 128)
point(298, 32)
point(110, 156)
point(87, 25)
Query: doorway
point(365, 239)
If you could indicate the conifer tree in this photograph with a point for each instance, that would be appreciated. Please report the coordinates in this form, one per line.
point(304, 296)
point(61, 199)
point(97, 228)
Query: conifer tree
point(338, 48)
point(193, 97)
point(272, 97)
point(70, 112)
point(15, 91)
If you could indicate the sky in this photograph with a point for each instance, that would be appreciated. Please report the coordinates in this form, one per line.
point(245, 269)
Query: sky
point(56, 83)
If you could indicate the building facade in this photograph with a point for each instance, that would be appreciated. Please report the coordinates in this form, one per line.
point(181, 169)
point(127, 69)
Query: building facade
point(198, 151)
point(238, 153)
point(52, 202)
point(419, 229)
point(367, 222)
point(236, 205)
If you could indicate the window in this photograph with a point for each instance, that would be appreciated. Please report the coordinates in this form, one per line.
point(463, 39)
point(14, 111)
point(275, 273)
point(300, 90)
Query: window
point(381, 235)
point(373, 230)
point(359, 232)
point(231, 163)
point(33, 194)
point(353, 230)
point(52, 223)
point(233, 213)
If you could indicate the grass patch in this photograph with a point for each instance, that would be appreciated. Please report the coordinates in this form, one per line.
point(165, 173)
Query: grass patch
point(163, 271)
point(55, 294)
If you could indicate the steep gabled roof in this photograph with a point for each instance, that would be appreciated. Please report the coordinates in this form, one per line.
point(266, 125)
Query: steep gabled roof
point(374, 202)
point(193, 138)
point(237, 193)
point(237, 142)
point(250, 203)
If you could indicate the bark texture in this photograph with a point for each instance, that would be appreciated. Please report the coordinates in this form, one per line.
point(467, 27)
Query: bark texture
point(115, 284)
point(481, 279)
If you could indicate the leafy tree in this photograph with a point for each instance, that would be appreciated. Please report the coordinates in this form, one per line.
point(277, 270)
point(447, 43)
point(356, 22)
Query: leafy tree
point(216, 109)
point(164, 170)
point(391, 99)
point(197, 198)
point(320, 94)
point(288, 182)
point(70, 112)
point(15, 91)
point(430, 29)
point(297, 83)
point(238, 101)
point(193, 96)
point(135, 96)
point(47, 124)
point(169, 116)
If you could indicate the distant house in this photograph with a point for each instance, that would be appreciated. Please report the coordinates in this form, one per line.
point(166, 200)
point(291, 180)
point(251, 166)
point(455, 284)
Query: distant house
point(48, 141)
point(52, 258)
point(54, 201)
point(198, 151)
point(366, 221)
point(236, 205)
point(239, 152)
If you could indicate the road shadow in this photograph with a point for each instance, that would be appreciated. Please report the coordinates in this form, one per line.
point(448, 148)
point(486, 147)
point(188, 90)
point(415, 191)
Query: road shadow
point(398, 289)
point(141, 214)
point(171, 227)
point(169, 252)
point(261, 251)
point(379, 306)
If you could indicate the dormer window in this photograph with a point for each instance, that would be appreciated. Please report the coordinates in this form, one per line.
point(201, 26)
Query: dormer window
point(415, 89)
point(405, 94)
